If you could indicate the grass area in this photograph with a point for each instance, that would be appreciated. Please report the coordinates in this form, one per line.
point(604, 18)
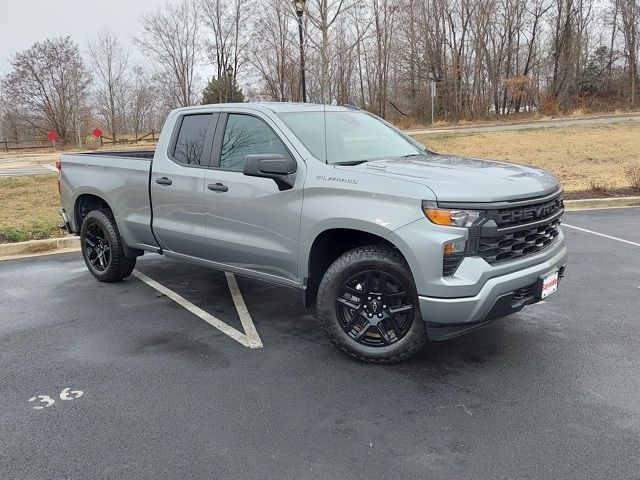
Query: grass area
point(29, 208)
point(581, 156)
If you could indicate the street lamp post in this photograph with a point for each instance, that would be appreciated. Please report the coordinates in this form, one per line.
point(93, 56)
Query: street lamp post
point(299, 6)
point(230, 78)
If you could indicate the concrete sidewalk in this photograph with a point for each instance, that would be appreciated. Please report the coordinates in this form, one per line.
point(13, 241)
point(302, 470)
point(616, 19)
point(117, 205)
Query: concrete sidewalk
point(551, 123)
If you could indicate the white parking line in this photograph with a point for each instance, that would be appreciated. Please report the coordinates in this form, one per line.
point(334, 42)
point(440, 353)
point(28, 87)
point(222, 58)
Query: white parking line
point(249, 328)
point(602, 235)
point(249, 338)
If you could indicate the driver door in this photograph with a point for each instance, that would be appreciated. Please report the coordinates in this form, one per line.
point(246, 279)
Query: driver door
point(250, 223)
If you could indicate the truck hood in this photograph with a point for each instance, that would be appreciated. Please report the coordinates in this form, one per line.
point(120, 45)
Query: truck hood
point(462, 179)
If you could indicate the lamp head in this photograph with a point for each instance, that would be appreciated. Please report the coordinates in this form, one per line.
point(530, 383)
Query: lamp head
point(299, 6)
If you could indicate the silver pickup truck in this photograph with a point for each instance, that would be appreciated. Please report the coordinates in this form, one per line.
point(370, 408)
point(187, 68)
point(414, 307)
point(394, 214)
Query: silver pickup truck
point(395, 244)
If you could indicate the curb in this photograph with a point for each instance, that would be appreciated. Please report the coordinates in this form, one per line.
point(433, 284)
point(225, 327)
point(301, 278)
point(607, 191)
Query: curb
point(598, 203)
point(9, 251)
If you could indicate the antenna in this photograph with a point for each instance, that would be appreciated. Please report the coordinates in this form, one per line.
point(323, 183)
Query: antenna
point(324, 117)
point(351, 104)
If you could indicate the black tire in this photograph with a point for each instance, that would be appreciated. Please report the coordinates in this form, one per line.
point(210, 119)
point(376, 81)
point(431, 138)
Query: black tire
point(344, 311)
point(102, 247)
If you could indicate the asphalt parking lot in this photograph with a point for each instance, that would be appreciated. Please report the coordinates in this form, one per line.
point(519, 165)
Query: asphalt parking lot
point(143, 387)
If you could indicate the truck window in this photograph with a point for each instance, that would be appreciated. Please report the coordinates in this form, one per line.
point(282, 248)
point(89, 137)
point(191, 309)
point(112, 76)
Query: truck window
point(190, 140)
point(246, 135)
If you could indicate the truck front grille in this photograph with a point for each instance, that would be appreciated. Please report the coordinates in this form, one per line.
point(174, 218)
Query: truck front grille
point(518, 244)
point(510, 232)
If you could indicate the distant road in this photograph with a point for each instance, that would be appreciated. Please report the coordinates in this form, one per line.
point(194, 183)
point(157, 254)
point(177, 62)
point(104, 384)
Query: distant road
point(27, 170)
point(560, 122)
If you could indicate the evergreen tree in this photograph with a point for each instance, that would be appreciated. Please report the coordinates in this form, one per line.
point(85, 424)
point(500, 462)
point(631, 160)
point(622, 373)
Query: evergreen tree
point(222, 90)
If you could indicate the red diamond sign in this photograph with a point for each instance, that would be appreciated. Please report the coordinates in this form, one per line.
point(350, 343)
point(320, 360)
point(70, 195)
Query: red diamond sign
point(53, 135)
point(97, 132)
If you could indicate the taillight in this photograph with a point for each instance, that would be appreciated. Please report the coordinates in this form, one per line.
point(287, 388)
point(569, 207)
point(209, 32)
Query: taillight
point(59, 167)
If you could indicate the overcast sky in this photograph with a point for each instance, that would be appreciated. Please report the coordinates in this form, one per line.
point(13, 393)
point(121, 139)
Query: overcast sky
point(23, 22)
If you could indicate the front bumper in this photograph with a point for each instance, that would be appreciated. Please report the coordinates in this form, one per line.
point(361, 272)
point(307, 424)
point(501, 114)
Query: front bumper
point(502, 295)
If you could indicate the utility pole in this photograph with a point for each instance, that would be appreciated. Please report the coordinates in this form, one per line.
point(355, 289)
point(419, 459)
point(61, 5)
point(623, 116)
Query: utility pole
point(432, 86)
point(299, 6)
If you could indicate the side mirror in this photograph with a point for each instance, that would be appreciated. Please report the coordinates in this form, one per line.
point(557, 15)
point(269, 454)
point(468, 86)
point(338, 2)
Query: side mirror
point(282, 170)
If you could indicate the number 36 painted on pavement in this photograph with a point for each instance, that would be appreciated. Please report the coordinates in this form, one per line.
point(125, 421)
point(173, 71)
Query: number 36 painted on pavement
point(45, 401)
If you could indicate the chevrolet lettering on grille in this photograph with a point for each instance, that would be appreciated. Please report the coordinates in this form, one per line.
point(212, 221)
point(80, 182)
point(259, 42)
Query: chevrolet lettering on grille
point(529, 214)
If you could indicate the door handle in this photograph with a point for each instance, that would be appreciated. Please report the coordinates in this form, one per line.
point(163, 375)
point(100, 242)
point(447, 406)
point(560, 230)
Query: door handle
point(217, 187)
point(164, 181)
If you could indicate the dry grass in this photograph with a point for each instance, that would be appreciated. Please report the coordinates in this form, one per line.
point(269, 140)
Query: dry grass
point(580, 156)
point(29, 208)
point(633, 176)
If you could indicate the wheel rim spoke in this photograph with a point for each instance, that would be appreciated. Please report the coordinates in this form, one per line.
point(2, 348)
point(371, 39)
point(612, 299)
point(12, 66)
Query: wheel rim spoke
point(368, 281)
point(394, 325)
point(353, 319)
point(348, 303)
point(90, 240)
point(362, 331)
point(383, 334)
point(393, 296)
point(400, 309)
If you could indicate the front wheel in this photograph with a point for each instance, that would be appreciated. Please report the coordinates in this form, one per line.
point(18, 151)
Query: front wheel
point(368, 306)
point(102, 248)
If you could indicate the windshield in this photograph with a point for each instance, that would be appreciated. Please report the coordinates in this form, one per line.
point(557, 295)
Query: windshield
point(350, 136)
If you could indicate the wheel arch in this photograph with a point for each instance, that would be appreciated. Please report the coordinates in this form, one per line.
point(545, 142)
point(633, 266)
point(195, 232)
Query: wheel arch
point(328, 245)
point(88, 202)
point(85, 203)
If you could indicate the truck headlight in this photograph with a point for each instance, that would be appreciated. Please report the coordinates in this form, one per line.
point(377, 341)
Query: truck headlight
point(448, 217)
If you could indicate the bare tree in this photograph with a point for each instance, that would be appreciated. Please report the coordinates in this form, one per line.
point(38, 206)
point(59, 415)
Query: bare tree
point(48, 87)
point(171, 37)
point(226, 20)
point(630, 27)
point(142, 102)
point(110, 64)
point(274, 56)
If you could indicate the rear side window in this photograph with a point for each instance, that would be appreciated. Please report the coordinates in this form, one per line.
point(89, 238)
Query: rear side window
point(190, 140)
point(246, 135)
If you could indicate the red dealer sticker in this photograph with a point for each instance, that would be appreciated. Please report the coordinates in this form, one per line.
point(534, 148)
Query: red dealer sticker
point(549, 284)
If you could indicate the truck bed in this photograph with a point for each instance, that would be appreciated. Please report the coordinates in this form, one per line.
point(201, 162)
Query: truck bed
point(121, 179)
point(130, 154)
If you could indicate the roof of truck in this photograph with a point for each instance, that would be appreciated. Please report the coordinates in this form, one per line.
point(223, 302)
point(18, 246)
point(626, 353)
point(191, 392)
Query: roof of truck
point(279, 107)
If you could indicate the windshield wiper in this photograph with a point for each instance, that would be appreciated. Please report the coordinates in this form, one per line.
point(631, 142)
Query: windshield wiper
point(350, 162)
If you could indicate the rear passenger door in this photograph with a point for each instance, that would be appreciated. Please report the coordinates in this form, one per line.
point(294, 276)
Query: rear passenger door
point(251, 224)
point(177, 185)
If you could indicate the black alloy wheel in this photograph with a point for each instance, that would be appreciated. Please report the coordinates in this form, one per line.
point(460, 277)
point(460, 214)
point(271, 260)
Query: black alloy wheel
point(374, 308)
point(102, 247)
point(97, 247)
point(368, 305)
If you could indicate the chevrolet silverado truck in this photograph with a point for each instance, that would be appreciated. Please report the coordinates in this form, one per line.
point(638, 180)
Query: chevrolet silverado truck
point(393, 243)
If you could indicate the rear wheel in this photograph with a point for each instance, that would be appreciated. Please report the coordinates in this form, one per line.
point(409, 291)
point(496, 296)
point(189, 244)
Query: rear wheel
point(368, 306)
point(102, 248)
